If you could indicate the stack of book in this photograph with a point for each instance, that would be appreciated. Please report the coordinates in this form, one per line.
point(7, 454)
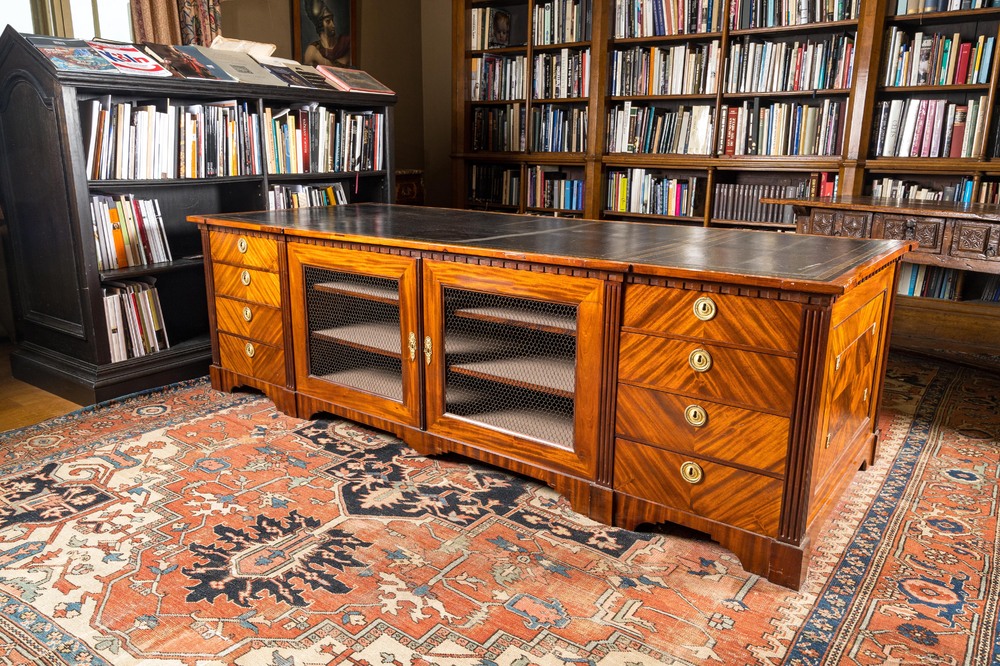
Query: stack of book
point(128, 231)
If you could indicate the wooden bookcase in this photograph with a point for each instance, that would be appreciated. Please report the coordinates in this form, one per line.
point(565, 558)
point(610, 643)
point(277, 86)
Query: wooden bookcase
point(56, 282)
point(721, 181)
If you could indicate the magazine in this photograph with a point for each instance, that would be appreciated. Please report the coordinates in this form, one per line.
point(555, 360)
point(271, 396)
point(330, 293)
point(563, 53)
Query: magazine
point(129, 59)
point(71, 55)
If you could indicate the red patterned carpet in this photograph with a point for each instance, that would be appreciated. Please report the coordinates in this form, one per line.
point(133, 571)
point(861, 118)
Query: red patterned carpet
point(188, 526)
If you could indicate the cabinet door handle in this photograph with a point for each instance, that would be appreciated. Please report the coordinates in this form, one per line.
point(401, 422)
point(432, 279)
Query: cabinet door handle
point(700, 360)
point(428, 349)
point(412, 345)
point(245, 278)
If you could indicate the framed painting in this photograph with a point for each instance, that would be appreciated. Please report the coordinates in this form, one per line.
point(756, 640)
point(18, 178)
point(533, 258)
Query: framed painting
point(323, 32)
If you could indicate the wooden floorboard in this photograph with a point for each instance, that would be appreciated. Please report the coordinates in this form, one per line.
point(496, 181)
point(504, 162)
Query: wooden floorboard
point(22, 404)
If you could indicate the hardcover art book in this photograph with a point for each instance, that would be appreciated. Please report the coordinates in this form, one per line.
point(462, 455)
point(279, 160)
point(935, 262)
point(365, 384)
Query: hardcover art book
point(129, 59)
point(71, 55)
point(240, 66)
point(203, 67)
point(353, 80)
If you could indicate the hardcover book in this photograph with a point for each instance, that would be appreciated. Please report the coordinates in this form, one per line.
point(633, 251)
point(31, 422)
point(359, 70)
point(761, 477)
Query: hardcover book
point(241, 66)
point(353, 80)
point(207, 67)
point(129, 59)
point(71, 55)
point(183, 62)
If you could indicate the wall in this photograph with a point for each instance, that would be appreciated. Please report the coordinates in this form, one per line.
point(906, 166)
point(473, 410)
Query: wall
point(405, 44)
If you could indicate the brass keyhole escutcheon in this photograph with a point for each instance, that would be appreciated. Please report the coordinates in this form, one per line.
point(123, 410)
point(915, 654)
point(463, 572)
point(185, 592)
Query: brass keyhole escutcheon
point(245, 278)
point(700, 360)
point(249, 350)
point(242, 245)
point(412, 345)
point(692, 472)
point(247, 313)
point(705, 308)
point(696, 415)
point(428, 349)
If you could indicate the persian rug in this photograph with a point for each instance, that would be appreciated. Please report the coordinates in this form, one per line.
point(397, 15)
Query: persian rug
point(189, 526)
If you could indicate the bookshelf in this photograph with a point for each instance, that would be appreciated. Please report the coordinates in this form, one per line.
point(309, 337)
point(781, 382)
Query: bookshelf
point(784, 104)
point(236, 157)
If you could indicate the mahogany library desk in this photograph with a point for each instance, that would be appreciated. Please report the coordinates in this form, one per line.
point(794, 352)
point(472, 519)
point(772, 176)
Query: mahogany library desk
point(720, 379)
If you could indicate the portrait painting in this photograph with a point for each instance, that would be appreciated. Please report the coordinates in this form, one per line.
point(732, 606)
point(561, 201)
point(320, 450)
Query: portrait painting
point(323, 32)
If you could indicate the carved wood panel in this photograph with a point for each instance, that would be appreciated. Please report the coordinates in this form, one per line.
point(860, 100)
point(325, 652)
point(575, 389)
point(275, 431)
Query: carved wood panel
point(975, 240)
point(927, 231)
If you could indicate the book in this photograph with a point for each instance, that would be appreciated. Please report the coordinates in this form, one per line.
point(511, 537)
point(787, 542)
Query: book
point(256, 49)
point(205, 67)
point(71, 55)
point(129, 59)
point(353, 80)
point(184, 63)
point(241, 66)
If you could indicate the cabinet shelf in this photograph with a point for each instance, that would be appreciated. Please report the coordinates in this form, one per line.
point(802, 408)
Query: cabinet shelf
point(185, 263)
point(555, 376)
point(664, 39)
point(373, 380)
point(530, 423)
point(954, 16)
point(366, 291)
point(529, 319)
point(819, 26)
point(172, 182)
point(814, 92)
point(372, 336)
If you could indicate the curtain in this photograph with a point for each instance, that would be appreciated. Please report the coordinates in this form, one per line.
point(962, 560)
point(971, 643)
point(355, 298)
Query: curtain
point(155, 21)
point(201, 20)
point(179, 22)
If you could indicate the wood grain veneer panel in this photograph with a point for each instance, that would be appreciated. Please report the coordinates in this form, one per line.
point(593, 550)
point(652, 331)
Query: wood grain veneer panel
point(259, 253)
point(259, 286)
point(753, 439)
point(755, 380)
point(740, 320)
point(265, 323)
point(267, 362)
point(733, 496)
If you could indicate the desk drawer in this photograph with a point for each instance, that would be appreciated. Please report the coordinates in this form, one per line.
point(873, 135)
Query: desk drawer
point(753, 439)
point(250, 320)
point(725, 494)
point(247, 284)
point(253, 359)
point(243, 250)
point(750, 379)
point(743, 320)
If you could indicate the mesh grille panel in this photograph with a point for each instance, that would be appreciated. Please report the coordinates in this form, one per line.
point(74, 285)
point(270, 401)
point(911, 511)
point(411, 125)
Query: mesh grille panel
point(511, 363)
point(354, 329)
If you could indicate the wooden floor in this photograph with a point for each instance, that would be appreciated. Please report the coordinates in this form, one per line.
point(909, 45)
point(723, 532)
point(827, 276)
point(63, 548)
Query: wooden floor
point(22, 404)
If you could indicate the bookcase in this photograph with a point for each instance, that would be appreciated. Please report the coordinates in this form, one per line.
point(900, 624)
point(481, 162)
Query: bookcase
point(59, 273)
point(716, 112)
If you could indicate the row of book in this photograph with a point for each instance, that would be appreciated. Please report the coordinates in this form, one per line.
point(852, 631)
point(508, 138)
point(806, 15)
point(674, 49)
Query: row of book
point(922, 6)
point(495, 27)
point(917, 127)
point(134, 318)
point(561, 21)
point(654, 18)
point(128, 231)
point(313, 139)
point(199, 62)
point(991, 290)
point(656, 130)
point(927, 281)
point(557, 129)
point(683, 69)
point(746, 14)
point(494, 184)
point(741, 202)
point(899, 189)
point(777, 66)
point(988, 192)
point(781, 128)
point(164, 139)
point(563, 74)
point(303, 196)
point(649, 193)
point(498, 128)
point(936, 60)
point(553, 188)
point(496, 77)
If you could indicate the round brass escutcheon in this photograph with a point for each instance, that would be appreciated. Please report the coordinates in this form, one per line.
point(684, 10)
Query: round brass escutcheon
point(245, 278)
point(705, 308)
point(692, 472)
point(247, 313)
point(250, 351)
point(696, 415)
point(242, 245)
point(700, 360)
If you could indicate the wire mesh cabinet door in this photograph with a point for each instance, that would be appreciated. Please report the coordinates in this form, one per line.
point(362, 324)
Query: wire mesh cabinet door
point(356, 328)
point(513, 362)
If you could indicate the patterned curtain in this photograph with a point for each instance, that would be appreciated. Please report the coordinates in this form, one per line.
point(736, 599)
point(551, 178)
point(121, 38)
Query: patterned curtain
point(201, 20)
point(155, 21)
